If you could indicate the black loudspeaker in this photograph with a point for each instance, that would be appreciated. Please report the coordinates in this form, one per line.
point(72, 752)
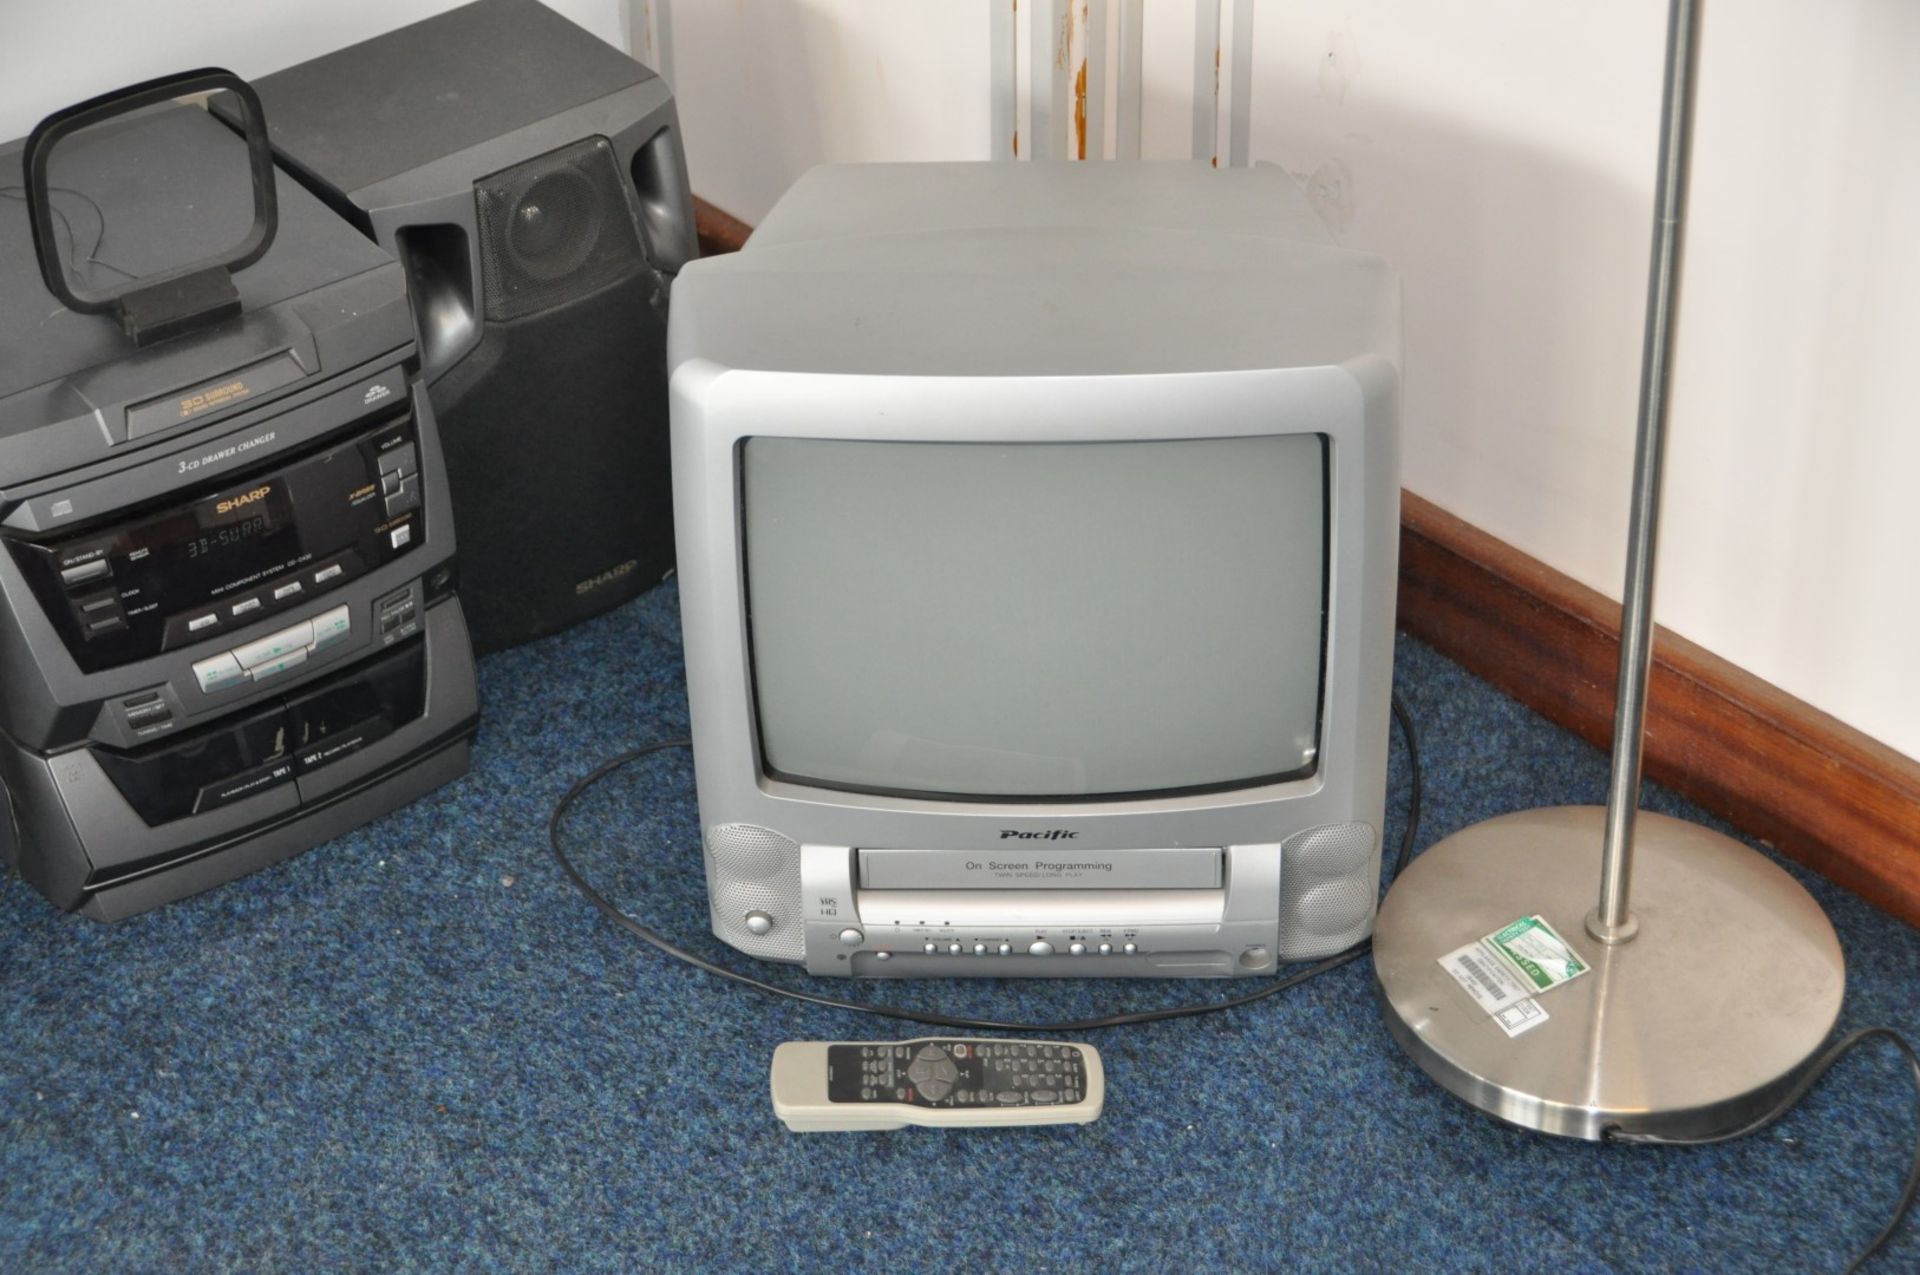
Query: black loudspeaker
point(530, 178)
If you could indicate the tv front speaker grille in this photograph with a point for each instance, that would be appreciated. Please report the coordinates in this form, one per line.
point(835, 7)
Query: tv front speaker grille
point(1327, 895)
point(556, 227)
point(755, 869)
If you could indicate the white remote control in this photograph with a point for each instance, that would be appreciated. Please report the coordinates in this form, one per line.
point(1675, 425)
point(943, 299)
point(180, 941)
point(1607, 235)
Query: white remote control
point(823, 1086)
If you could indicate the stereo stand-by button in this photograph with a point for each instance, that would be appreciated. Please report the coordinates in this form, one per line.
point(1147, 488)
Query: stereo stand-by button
point(219, 672)
point(86, 572)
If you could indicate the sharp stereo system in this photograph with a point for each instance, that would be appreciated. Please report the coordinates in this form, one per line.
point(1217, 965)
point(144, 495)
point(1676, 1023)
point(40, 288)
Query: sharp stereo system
point(229, 628)
point(530, 178)
point(1038, 527)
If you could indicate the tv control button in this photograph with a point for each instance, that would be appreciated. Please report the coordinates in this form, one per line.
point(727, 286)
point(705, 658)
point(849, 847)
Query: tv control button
point(979, 949)
point(331, 626)
point(851, 937)
point(332, 572)
point(1106, 949)
point(1129, 949)
point(275, 645)
point(199, 622)
point(286, 591)
point(245, 605)
point(402, 536)
point(931, 948)
point(219, 672)
point(953, 949)
point(1078, 949)
point(86, 572)
point(883, 956)
point(1004, 949)
point(1039, 947)
point(273, 668)
point(759, 923)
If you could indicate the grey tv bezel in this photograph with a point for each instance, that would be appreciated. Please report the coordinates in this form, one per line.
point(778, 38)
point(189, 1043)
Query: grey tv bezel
point(1352, 405)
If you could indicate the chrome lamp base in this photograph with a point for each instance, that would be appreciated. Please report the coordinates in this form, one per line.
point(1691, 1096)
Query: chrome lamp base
point(1690, 1029)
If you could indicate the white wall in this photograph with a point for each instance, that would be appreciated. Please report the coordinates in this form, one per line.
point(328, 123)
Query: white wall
point(1501, 153)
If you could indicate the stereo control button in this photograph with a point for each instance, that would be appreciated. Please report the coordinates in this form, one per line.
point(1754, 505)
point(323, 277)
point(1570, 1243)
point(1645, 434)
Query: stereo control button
point(326, 573)
point(272, 668)
point(330, 627)
point(245, 605)
point(86, 572)
point(199, 622)
point(402, 536)
point(398, 461)
point(219, 672)
point(275, 645)
point(404, 496)
point(286, 591)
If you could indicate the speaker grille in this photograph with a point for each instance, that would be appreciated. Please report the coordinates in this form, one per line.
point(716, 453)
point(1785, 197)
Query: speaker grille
point(1327, 889)
point(754, 869)
point(554, 228)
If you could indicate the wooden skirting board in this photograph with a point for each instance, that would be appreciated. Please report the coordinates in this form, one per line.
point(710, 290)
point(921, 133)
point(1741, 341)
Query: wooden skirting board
point(1772, 766)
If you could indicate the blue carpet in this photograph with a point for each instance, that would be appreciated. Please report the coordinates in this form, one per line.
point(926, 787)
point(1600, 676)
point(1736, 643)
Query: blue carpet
point(418, 1048)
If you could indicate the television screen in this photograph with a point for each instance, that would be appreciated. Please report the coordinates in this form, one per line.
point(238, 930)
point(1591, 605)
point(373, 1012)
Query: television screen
point(999, 621)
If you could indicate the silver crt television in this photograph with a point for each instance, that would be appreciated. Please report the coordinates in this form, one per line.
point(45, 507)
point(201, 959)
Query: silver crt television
point(1037, 530)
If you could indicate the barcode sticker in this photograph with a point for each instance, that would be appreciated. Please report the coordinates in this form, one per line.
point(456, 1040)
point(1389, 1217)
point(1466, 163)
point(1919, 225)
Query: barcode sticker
point(1488, 979)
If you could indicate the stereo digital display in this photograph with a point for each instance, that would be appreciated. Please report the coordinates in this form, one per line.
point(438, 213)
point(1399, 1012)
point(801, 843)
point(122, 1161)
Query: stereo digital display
point(225, 557)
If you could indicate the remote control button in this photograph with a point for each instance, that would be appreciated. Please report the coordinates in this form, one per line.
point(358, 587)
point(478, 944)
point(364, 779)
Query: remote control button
point(920, 1072)
point(945, 1071)
point(1043, 1095)
point(1040, 947)
point(935, 1090)
point(1010, 1097)
point(759, 922)
point(851, 937)
point(1078, 949)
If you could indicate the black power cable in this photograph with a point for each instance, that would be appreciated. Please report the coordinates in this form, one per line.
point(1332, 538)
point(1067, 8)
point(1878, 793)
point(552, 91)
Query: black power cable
point(653, 938)
point(1815, 1070)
